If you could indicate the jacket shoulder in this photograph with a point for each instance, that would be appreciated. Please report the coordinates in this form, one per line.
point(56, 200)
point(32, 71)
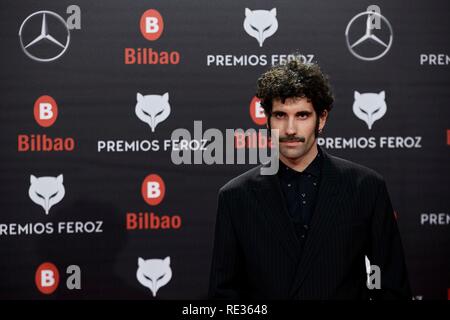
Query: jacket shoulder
point(241, 182)
point(357, 171)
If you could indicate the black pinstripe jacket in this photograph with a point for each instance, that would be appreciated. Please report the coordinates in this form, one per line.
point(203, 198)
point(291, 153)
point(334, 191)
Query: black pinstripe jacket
point(257, 254)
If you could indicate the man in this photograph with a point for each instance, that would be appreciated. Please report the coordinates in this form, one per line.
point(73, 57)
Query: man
point(304, 232)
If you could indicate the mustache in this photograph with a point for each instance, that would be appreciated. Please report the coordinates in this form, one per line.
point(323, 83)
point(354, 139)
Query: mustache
point(292, 139)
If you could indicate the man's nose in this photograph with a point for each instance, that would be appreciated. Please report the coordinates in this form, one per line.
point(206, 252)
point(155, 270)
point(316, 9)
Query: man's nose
point(290, 129)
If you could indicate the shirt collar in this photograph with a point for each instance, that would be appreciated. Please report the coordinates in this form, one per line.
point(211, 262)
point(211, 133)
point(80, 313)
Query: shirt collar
point(314, 168)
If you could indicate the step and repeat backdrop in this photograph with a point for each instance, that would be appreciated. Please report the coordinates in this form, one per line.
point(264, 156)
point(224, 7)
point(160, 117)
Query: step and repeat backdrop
point(107, 105)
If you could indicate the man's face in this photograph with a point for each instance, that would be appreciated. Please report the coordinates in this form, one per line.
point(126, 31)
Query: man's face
point(296, 120)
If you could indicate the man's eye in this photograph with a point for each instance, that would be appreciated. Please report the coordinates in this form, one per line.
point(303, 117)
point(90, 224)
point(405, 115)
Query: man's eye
point(303, 115)
point(278, 115)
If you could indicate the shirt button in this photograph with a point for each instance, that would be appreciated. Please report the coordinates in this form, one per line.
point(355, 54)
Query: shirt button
point(305, 226)
point(302, 236)
point(304, 202)
point(314, 183)
point(289, 184)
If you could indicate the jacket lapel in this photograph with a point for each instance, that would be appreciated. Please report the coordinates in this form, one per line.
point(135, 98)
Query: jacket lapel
point(324, 214)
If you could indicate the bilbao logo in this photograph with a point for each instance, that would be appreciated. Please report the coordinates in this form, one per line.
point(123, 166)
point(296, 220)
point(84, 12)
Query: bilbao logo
point(251, 138)
point(151, 26)
point(154, 273)
point(257, 112)
point(47, 278)
point(44, 36)
point(153, 191)
point(45, 112)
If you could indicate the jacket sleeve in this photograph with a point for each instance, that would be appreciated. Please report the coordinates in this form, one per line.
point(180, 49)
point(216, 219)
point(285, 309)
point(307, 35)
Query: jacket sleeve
point(226, 266)
point(386, 250)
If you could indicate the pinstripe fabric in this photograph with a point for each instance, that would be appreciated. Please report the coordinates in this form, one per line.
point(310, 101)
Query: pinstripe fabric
point(257, 254)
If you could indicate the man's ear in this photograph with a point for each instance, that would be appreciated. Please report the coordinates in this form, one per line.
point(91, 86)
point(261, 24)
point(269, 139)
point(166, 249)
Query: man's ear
point(323, 119)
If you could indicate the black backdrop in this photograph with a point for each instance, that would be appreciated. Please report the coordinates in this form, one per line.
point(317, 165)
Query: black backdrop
point(96, 95)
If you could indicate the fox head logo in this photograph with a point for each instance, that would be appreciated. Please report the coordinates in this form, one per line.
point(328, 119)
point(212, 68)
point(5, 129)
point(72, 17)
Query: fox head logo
point(154, 273)
point(152, 109)
point(46, 191)
point(369, 107)
point(260, 24)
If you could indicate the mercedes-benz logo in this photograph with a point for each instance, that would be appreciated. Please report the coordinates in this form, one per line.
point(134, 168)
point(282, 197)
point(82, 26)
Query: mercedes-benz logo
point(369, 35)
point(45, 36)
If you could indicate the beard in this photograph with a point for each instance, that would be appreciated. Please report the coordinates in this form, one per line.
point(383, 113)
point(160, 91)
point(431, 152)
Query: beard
point(303, 146)
point(299, 147)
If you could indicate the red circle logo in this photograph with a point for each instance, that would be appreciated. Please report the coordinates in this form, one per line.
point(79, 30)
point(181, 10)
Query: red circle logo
point(152, 24)
point(45, 111)
point(257, 112)
point(153, 189)
point(47, 278)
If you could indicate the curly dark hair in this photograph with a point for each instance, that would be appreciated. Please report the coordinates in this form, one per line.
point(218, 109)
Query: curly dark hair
point(295, 79)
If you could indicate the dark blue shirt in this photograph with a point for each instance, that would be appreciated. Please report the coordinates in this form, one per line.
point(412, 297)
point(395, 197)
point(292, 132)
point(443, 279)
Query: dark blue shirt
point(300, 192)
